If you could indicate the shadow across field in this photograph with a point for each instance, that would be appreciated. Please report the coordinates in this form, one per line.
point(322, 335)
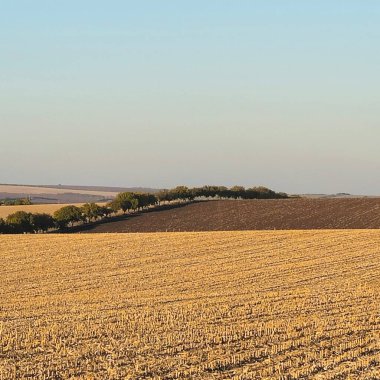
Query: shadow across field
point(109, 222)
point(240, 215)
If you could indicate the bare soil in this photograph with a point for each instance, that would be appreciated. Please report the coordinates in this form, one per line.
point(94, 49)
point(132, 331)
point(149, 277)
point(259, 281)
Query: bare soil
point(239, 215)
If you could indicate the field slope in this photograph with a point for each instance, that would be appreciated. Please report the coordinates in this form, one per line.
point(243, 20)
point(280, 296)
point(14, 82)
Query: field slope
point(215, 305)
point(275, 214)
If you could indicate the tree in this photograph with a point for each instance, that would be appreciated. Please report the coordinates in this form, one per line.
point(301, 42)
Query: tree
point(237, 192)
point(24, 201)
point(145, 199)
point(134, 203)
point(251, 193)
point(16, 202)
point(264, 192)
point(20, 222)
point(126, 201)
point(182, 193)
point(113, 206)
point(3, 226)
point(91, 211)
point(204, 191)
point(152, 199)
point(68, 215)
point(223, 192)
point(164, 196)
point(105, 211)
point(42, 222)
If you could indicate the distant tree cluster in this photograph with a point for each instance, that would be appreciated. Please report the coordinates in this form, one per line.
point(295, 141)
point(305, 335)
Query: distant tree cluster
point(126, 202)
point(15, 202)
point(26, 222)
point(220, 192)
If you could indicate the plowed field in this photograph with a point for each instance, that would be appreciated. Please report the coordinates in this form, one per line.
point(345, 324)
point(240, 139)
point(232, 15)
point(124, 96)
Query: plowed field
point(288, 214)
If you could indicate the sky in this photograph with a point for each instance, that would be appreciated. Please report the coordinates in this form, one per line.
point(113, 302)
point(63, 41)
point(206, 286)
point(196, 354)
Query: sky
point(158, 93)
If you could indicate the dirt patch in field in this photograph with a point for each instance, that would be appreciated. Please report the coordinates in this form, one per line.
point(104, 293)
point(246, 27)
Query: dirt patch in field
point(286, 214)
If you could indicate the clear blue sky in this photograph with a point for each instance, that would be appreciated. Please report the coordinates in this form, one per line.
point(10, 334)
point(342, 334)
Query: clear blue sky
point(282, 93)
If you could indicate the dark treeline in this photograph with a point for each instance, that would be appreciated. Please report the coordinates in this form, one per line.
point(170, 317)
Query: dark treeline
point(220, 192)
point(15, 202)
point(127, 202)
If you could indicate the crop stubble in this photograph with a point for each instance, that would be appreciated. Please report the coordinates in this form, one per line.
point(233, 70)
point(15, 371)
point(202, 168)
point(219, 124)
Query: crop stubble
point(214, 305)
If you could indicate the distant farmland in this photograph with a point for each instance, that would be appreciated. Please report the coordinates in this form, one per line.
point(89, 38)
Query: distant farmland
point(63, 194)
point(215, 305)
point(276, 214)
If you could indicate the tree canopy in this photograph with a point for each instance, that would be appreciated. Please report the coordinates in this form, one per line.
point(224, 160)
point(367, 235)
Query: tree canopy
point(68, 215)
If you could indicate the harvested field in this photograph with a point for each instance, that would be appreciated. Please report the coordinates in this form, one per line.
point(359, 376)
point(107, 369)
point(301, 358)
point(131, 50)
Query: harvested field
point(279, 214)
point(63, 194)
point(215, 305)
point(36, 190)
point(45, 208)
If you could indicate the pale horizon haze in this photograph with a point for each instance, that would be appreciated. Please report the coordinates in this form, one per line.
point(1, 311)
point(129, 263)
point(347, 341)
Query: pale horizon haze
point(280, 93)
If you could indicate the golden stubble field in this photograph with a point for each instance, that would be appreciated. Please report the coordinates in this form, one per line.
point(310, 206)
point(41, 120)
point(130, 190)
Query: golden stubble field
point(41, 208)
point(212, 305)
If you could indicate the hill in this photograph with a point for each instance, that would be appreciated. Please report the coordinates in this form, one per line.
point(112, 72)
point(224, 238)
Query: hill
point(219, 305)
point(64, 193)
point(286, 214)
